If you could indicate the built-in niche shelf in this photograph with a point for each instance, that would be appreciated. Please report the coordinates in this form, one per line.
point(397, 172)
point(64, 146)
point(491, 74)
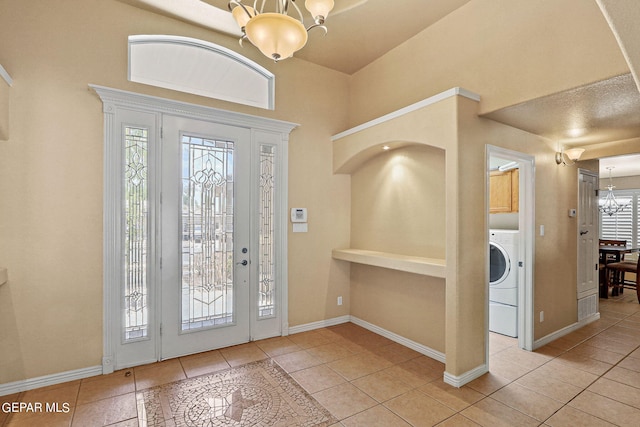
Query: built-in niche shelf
point(411, 264)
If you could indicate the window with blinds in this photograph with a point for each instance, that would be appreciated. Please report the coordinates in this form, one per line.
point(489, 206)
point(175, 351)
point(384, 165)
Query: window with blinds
point(624, 224)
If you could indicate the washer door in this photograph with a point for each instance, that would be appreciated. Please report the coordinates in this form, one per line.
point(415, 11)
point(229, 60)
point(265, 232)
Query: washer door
point(499, 264)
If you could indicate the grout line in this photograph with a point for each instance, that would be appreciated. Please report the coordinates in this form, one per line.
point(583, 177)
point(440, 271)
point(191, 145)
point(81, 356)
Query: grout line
point(599, 376)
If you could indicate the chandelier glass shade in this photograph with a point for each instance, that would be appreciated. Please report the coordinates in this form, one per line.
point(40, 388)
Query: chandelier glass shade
point(609, 204)
point(274, 32)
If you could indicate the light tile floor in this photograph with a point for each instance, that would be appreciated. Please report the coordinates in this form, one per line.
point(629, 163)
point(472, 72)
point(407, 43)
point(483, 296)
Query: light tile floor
point(590, 377)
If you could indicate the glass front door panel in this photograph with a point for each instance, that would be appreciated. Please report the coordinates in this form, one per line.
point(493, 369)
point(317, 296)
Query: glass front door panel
point(136, 220)
point(207, 233)
point(266, 232)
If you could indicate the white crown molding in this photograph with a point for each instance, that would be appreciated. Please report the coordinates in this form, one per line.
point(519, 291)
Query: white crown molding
point(116, 97)
point(456, 91)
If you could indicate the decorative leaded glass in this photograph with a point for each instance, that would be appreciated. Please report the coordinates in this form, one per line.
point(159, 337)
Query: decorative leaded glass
point(136, 215)
point(266, 217)
point(207, 232)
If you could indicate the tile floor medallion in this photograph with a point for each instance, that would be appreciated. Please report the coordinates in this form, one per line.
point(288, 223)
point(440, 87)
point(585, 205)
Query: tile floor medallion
point(256, 394)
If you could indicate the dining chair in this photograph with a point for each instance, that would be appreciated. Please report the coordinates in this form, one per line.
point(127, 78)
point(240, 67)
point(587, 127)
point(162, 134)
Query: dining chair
point(615, 275)
point(607, 258)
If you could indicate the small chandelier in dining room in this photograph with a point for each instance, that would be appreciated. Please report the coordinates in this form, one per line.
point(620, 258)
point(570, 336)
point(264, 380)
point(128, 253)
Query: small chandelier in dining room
point(277, 34)
point(609, 204)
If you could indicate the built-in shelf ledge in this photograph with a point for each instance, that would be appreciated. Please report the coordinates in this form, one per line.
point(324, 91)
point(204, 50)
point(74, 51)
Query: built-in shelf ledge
point(411, 264)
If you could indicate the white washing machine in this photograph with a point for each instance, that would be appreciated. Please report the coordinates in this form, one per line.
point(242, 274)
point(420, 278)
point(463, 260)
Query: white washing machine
point(503, 282)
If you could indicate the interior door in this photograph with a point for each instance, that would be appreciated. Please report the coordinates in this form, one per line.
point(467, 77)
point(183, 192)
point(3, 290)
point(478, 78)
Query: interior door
point(205, 236)
point(587, 235)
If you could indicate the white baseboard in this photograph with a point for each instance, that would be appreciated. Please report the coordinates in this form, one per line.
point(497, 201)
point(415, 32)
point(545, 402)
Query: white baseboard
point(47, 380)
point(319, 324)
point(564, 331)
point(420, 348)
point(467, 377)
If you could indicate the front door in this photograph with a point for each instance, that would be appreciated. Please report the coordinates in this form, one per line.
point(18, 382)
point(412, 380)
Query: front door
point(205, 237)
point(195, 229)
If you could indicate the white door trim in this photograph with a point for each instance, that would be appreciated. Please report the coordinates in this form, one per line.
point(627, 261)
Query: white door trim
point(526, 221)
point(595, 290)
point(114, 100)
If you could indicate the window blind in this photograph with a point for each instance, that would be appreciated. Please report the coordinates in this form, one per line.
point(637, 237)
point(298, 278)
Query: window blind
point(624, 224)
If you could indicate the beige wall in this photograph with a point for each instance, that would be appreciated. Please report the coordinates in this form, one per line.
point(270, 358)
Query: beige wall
point(51, 166)
point(4, 110)
point(398, 202)
point(508, 51)
point(51, 176)
point(398, 206)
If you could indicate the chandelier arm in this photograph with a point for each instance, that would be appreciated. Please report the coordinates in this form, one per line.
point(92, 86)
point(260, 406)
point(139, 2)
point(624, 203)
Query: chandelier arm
point(238, 3)
point(297, 9)
point(318, 26)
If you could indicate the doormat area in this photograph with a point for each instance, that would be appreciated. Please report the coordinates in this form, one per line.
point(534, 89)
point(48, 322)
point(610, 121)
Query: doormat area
point(256, 394)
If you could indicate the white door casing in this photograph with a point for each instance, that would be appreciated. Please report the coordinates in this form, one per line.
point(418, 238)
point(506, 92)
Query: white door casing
point(526, 245)
point(587, 274)
point(144, 114)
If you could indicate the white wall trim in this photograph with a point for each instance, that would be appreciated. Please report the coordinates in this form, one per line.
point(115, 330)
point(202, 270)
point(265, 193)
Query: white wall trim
point(319, 324)
point(116, 97)
point(526, 220)
point(456, 91)
point(467, 377)
point(7, 78)
point(564, 331)
point(420, 348)
point(47, 380)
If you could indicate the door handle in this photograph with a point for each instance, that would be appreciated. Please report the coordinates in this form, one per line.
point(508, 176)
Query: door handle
point(243, 262)
point(582, 233)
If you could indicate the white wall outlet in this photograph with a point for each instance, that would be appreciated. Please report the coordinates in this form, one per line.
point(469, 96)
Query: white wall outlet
point(541, 316)
point(339, 300)
point(542, 230)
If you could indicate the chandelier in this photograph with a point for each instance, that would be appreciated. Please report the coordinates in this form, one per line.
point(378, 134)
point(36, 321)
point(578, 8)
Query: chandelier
point(275, 33)
point(609, 204)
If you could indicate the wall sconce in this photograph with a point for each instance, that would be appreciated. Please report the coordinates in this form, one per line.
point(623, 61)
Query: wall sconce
point(568, 157)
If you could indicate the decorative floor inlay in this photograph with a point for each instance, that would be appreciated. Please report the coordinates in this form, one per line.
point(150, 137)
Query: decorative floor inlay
point(256, 394)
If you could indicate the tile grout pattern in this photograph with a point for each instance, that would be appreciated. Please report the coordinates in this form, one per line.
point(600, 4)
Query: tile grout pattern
point(590, 377)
